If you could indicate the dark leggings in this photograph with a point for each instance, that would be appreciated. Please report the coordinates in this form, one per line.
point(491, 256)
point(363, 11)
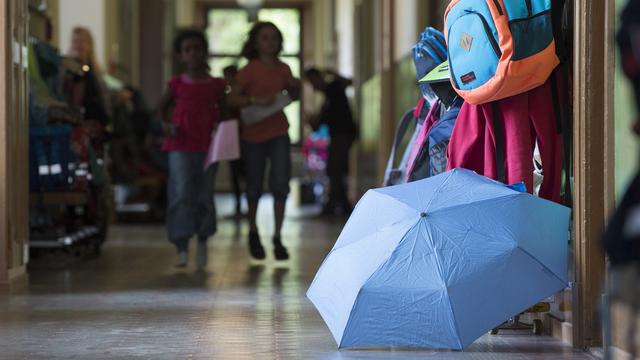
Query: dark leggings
point(277, 152)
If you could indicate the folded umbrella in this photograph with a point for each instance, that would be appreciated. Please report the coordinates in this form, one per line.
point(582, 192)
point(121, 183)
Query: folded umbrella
point(439, 262)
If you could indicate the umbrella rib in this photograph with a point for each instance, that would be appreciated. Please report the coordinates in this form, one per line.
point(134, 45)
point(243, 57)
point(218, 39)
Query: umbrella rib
point(419, 194)
point(541, 264)
point(438, 191)
point(511, 193)
point(453, 207)
point(396, 200)
point(455, 321)
point(378, 230)
point(407, 206)
point(441, 273)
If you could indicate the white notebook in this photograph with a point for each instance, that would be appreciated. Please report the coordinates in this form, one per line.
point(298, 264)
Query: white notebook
point(255, 113)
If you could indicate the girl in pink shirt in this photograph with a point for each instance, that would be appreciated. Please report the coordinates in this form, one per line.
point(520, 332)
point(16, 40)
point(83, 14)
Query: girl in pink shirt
point(195, 97)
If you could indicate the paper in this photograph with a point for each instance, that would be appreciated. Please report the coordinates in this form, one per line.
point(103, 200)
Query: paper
point(225, 143)
point(255, 113)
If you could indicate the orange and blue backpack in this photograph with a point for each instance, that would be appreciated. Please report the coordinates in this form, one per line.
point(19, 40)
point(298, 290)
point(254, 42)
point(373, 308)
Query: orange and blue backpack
point(499, 48)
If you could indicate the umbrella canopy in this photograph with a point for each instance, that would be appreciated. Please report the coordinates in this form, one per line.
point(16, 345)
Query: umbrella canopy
point(439, 262)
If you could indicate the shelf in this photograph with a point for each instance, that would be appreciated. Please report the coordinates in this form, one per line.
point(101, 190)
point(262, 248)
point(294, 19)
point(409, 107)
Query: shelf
point(53, 242)
point(58, 198)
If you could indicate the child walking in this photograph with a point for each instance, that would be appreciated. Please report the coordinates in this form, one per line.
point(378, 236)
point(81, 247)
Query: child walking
point(266, 141)
point(195, 98)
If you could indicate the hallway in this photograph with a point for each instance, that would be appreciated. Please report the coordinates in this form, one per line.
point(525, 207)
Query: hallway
point(131, 303)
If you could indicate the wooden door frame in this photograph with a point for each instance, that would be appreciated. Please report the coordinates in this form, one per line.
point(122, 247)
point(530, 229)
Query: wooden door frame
point(594, 160)
point(5, 66)
point(386, 54)
point(14, 138)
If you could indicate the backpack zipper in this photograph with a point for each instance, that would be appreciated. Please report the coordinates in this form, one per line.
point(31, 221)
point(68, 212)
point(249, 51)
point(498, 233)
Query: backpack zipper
point(487, 29)
point(497, 3)
point(529, 7)
point(544, 13)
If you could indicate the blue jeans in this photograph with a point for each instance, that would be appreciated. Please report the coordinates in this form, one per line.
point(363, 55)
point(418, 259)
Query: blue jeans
point(191, 209)
point(255, 155)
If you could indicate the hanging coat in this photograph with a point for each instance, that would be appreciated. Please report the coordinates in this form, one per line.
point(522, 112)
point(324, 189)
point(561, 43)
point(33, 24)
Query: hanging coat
point(524, 119)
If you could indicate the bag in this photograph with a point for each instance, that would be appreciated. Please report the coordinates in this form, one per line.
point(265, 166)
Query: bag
point(429, 154)
point(413, 118)
point(499, 48)
point(439, 137)
point(49, 158)
point(429, 52)
point(225, 143)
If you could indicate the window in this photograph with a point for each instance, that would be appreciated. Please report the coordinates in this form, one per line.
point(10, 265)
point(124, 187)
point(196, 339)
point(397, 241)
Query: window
point(227, 30)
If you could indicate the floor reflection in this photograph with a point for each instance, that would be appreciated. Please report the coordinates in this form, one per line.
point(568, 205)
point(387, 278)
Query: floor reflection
point(132, 304)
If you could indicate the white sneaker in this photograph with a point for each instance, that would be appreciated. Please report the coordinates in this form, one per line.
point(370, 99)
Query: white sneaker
point(183, 259)
point(201, 255)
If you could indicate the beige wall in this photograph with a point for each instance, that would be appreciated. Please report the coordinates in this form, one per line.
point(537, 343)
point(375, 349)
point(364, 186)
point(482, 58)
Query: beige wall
point(53, 7)
point(406, 20)
point(87, 13)
point(185, 12)
point(345, 36)
point(324, 41)
point(113, 24)
point(380, 108)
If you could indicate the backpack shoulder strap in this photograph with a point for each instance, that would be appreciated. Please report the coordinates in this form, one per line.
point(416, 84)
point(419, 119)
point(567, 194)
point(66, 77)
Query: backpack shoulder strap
point(562, 17)
point(401, 131)
point(499, 139)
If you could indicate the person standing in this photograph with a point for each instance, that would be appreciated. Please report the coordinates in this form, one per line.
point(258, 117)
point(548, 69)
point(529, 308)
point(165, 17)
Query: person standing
point(197, 98)
point(336, 114)
point(267, 140)
point(87, 91)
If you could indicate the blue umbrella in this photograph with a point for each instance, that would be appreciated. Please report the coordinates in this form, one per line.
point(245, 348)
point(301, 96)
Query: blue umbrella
point(439, 262)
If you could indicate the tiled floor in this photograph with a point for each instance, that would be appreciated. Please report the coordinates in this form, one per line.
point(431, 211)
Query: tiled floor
point(132, 304)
